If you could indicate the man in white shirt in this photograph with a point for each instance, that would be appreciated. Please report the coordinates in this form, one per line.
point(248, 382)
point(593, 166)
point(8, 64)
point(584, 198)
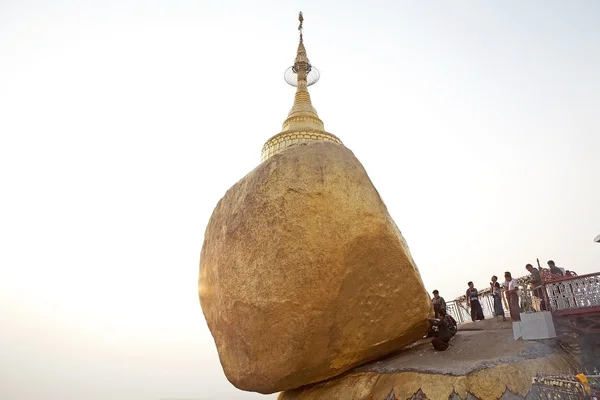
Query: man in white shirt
point(512, 288)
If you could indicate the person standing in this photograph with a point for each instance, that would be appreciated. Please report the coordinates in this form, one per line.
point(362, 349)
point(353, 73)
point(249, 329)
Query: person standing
point(493, 282)
point(439, 303)
point(473, 301)
point(512, 289)
point(554, 269)
point(560, 272)
point(536, 282)
point(497, 294)
point(452, 324)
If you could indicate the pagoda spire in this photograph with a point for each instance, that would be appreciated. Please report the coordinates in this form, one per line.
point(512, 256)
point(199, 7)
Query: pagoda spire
point(302, 104)
point(303, 123)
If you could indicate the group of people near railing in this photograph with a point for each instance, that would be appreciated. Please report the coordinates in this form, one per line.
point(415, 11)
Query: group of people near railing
point(514, 295)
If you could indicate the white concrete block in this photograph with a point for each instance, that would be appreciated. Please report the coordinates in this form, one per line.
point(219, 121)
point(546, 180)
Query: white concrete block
point(526, 317)
point(538, 316)
point(528, 331)
point(540, 329)
point(550, 324)
point(517, 330)
point(537, 326)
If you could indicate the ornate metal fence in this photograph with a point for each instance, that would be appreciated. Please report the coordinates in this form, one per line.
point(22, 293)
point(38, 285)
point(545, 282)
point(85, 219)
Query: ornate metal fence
point(570, 293)
point(457, 311)
point(458, 308)
point(528, 301)
point(561, 296)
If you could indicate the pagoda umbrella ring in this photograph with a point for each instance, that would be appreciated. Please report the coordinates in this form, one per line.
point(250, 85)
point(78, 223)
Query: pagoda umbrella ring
point(312, 77)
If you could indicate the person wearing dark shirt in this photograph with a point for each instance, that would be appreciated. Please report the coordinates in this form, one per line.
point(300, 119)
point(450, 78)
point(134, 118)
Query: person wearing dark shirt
point(554, 269)
point(498, 308)
point(536, 281)
point(493, 282)
point(450, 321)
point(473, 301)
point(536, 278)
point(438, 303)
point(440, 342)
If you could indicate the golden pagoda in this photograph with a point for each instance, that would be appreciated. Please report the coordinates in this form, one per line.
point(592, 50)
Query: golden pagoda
point(302, 124)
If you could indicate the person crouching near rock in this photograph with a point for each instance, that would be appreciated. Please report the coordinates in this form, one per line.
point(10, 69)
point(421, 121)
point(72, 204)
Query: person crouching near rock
point(450, 321)
point(440, 342)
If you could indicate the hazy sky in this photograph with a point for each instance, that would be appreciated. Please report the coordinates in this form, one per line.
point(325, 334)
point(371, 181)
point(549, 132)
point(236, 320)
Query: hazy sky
point(122, 123)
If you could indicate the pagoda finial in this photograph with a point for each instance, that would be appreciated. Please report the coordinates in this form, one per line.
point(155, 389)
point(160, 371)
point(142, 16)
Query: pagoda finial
point(303, 123)
point(302, 74)
point(301, 19)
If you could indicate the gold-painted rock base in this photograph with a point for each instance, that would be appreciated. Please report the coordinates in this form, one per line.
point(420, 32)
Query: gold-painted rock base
point(484, 365)
point(488, 384)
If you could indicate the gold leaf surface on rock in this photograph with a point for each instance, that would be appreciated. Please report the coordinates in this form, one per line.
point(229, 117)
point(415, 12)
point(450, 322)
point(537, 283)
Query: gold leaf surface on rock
point(304, 274)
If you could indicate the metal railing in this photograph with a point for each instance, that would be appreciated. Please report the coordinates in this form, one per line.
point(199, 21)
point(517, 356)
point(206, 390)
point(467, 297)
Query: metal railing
point(461, 313)
point(458, 312)
point(559, 295)
point(573, 293)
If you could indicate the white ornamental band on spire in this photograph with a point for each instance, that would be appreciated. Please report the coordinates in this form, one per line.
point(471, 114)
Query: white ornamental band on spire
point(303, 123)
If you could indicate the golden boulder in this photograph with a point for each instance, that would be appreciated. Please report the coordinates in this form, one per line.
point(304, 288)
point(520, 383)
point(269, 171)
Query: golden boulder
point(304, 274)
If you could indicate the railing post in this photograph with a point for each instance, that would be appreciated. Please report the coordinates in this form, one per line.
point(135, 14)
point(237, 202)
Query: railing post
point(547, 303)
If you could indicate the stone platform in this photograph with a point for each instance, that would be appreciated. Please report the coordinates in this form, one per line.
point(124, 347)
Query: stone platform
point(483, 362)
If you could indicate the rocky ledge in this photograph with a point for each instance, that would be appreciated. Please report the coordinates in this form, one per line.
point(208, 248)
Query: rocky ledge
point(483, 362)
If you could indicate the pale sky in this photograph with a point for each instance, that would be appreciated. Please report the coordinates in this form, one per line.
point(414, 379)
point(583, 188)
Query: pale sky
point(122, 123)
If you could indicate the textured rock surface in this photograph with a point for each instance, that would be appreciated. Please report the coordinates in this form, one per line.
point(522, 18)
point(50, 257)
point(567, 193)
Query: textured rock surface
point(480, 364)
point(304, 274)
